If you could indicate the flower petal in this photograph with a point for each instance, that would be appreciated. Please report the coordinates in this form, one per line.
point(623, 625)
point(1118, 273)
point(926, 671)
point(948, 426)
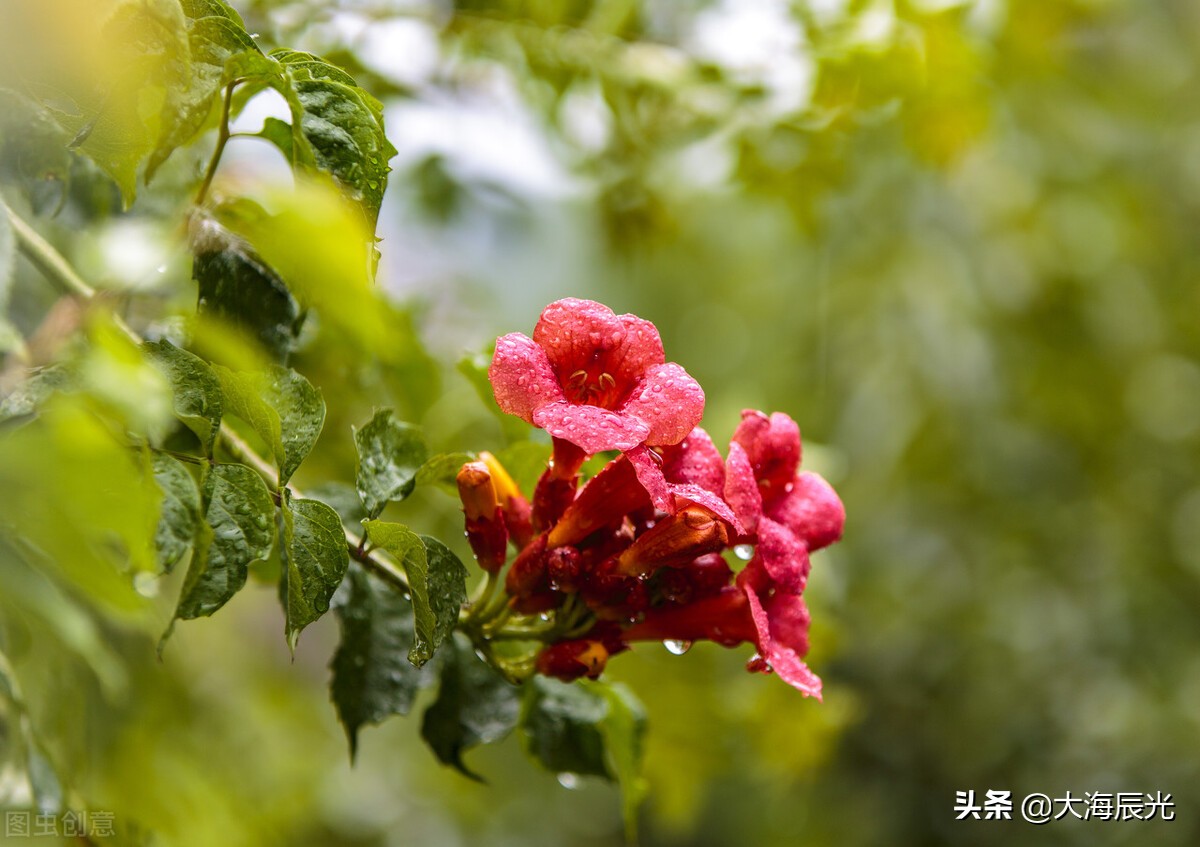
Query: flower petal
point(650, 475)
point(695, 460)
point(782, 624)
point(741, 489)
point(682, 493)
point(521, 376)
point(669, 401)
point(783, 555)
point(812, 510)
point(773, 446)
point(591, 428)
point(577, 334)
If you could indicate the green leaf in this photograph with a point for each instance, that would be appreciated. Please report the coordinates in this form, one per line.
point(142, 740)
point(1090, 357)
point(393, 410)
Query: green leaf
point(236, 286)
point(372, 678)
point(30, 394)
point(180, 511)
point(442, 470)
point(243, 392)
point(390, 453)
point(221, 51)
point(239, 519)
point(337, 129)
point(196, 389)
point(316, 557)
point(278, 133)
point(623, 729)
point(134, 91)
point(301, 413)
point(475, 705)
point(436, 579)
point(281, 406)
point(587, 728)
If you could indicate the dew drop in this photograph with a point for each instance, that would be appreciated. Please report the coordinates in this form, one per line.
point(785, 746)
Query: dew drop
point(544, 616)
point(145, 584)
point(162, 269)
point(677, 647)
point(788, 488)
point(743, 552)
point(522, 379)
point(657, 388)
point(568, 780)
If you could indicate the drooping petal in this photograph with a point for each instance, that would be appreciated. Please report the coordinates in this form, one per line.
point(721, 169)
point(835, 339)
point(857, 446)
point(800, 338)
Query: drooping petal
point(783, 555)
point(581, 334)
point(648, 467)
point(741, 489)
point(773, 447)
point(782, 625)
point(685, 493)
point(695, 460)
point(669, 401)
point(521, 376)
point(812, 510)
point(591, 428)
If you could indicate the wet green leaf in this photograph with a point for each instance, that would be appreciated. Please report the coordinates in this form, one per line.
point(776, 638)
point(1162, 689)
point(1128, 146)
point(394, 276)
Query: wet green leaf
point(301, 414)
point(316, 559)
point(436, 579)
point(588, 728)
point(235, 285)
point(180, 511)
point(442, 470)
point(475, 705)
point(390, 454)
point(337, 128)
point(221, 51)
point(238, 529)
point(195, 387)
point(243, 393)
point(372, 677)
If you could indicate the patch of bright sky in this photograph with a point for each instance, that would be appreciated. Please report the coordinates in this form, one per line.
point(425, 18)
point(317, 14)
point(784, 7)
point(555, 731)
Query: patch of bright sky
point(757, 42)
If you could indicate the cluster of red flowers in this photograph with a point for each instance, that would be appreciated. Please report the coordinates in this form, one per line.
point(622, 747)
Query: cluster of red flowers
point(635, 554)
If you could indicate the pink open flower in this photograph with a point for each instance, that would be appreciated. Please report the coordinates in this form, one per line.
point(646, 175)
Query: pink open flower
point(791, 513)
point(596, 379)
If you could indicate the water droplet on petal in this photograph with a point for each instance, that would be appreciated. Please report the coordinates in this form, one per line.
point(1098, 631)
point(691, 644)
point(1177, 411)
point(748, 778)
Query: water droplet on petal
point(568, 780)
point(677, 647)
point(743, 552)
point(788, 488)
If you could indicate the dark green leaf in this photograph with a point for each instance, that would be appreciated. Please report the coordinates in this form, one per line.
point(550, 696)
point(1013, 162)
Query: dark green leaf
point(560, 723)
point(236, 286)
point(343, 499)
point(316, 557)
point(238, 529)
point(436, 579)
point(180, 511)
point(337, 128)
point(475, 705)
point(372, 677)
point(442, 470)
point(389, 455)
point(301, 416)
point(196, 389)
point(588, 728)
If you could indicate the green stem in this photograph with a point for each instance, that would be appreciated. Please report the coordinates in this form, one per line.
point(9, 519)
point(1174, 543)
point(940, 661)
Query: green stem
point(55, 268)
point(222, 139)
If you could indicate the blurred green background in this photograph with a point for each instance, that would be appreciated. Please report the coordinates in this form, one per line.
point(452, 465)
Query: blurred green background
point(955, 240)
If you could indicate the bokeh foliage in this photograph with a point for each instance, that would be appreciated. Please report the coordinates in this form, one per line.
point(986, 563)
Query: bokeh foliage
point(953, 240)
